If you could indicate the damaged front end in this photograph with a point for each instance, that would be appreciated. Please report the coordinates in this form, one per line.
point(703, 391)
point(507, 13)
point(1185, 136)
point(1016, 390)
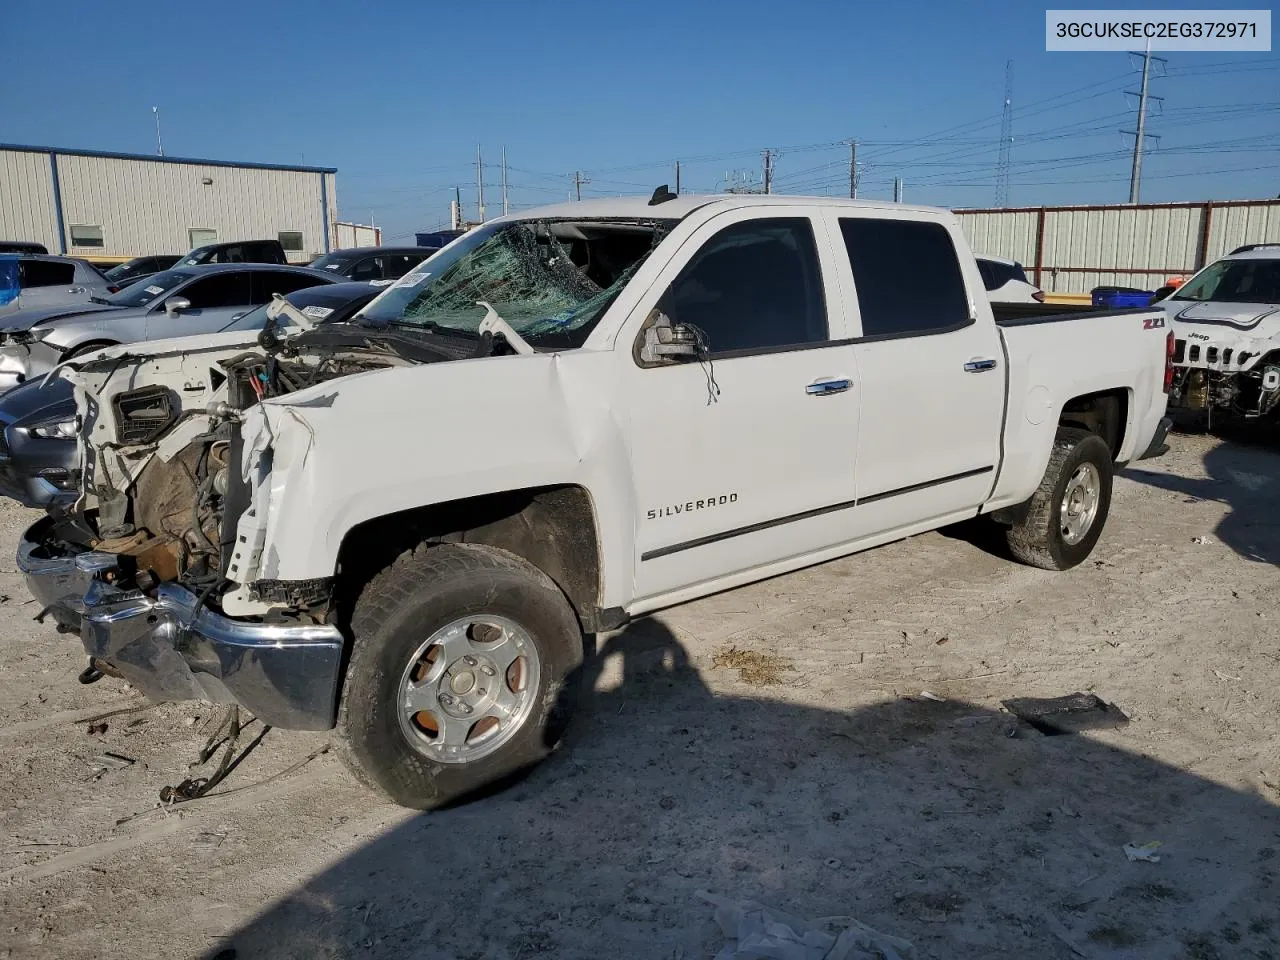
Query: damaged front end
point(1226, 358)
point(154, 566)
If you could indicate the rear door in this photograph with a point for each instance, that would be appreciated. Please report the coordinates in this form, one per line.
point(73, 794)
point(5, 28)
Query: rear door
point(745, 457)
point(216, 299)
point(931, 369)
point(48, 283)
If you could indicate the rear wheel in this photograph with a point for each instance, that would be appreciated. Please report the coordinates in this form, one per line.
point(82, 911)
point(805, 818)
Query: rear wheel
point(460, 675)
point(1069, 509)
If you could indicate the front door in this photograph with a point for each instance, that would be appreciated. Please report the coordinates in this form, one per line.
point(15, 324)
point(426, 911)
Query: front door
point(216, 299)
point(739, 459)
point(932, 372)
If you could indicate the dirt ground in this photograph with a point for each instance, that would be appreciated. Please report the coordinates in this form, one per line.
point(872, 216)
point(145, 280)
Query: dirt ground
point(770, 743)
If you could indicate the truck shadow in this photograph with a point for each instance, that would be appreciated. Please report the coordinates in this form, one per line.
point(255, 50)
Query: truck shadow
point(1252, 528)
point(926, 820)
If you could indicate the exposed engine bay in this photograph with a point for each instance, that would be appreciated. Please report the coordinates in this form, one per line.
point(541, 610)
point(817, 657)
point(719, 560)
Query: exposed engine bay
point(165, 493)
point(178, 437)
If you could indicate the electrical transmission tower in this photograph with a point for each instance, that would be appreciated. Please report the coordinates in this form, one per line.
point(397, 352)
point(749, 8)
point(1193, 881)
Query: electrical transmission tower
point(1140, 133)
point(1006, 139)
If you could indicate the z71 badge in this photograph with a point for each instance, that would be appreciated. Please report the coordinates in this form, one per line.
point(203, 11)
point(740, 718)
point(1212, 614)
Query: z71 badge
point(1151, 323)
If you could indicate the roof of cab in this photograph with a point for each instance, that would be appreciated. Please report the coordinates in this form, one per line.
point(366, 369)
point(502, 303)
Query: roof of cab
point(639, 208)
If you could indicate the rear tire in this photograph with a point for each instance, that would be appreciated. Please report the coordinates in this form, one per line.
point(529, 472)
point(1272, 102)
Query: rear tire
point(410, 652)
point(1056, 534)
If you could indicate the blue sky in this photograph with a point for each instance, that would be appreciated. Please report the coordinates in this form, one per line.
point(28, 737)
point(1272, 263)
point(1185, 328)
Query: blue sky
point(397, 96)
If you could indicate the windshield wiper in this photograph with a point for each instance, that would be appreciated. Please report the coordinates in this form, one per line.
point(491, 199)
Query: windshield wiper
point(100, 300)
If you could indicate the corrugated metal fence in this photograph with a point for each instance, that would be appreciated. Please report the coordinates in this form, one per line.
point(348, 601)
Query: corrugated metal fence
point(1074, 249)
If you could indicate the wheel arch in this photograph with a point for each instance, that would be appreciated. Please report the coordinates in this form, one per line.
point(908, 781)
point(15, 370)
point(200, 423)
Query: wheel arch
point(1104, 412)
point(552, 527)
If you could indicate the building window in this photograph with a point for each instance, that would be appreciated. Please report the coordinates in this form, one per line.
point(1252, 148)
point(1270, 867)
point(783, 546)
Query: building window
point(290, 239)
point(86, 236)
point(199, 236)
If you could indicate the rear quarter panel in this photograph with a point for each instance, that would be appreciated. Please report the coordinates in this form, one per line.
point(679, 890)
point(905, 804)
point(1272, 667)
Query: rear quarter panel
point(1050, 363)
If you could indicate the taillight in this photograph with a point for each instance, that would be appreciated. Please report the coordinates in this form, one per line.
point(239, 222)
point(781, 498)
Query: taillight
point(1038, 296)
point(1168, 363)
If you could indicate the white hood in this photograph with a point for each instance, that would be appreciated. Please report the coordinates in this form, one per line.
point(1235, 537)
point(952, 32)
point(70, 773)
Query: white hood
point(1251, 330)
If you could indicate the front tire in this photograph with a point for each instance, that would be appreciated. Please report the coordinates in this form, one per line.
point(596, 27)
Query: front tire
point(1069, 509)
point(460, 676)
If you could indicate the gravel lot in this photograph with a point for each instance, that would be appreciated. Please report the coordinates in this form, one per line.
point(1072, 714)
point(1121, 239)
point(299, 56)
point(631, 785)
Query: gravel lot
point(769, 743)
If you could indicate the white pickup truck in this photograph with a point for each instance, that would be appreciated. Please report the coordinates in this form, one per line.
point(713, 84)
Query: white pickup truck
point(402, 527)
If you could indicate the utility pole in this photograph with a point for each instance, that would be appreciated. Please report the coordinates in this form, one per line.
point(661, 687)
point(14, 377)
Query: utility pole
point(159, 144)
point(853, 170)
point(677, 178)
point(897, 189)
point(504, 181)
point(1140, 134)
point(1006, 139)
point(455, 213)
point(578, 181)
point(768, 171)
point(479, 183)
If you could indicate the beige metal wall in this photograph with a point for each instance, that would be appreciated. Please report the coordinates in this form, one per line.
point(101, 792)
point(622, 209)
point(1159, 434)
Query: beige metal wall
point(27, 210)
point(1074, 249)
point(150, 207)
point(145, 206)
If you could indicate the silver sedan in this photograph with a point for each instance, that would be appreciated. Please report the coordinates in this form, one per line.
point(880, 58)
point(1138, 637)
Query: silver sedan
point(173, 303)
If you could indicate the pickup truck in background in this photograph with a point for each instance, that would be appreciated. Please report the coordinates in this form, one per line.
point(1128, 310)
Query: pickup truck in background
point(402, 528)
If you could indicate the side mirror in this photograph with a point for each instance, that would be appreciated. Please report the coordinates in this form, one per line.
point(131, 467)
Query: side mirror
point(176, 305)
point(664, 340)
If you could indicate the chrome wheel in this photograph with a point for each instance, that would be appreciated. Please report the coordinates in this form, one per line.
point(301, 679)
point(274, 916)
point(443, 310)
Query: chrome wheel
point(469, 688)
point(1080, 503)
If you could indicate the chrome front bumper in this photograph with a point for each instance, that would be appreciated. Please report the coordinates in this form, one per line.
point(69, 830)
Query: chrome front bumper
point(286, 675)
point(58, 580)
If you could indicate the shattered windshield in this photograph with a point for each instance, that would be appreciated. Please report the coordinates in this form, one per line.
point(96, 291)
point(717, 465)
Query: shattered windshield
point(544, 277)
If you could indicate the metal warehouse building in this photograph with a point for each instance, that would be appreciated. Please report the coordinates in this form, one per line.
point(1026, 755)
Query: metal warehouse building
point(92, 204)
point(1074, 249)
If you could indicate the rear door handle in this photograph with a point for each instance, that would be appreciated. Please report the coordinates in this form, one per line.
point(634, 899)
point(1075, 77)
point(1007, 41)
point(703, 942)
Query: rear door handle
point(825, 388)
point(979, 366)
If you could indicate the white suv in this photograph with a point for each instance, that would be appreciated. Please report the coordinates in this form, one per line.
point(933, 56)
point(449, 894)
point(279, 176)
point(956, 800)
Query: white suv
point(1226, 324)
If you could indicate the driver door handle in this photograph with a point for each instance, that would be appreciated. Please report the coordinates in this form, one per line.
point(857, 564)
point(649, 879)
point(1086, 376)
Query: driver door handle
point(980, 366)
point(825, 388)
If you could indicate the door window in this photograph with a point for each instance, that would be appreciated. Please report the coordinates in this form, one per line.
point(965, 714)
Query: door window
point(907, 275)
point(396, 265)
point(220, 290)
point(754, 286)
point(46, 273)
point(368, 269)
point(267, 282)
